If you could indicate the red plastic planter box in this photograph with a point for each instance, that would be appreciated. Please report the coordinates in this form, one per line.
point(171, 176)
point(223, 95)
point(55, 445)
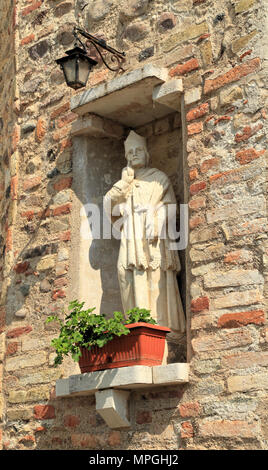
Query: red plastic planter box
point(144, 345)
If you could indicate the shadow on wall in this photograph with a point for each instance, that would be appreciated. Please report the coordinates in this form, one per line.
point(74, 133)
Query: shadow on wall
point(95, 170)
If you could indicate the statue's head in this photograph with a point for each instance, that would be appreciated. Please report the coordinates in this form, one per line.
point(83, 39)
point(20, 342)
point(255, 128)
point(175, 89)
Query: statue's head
point(136, 151)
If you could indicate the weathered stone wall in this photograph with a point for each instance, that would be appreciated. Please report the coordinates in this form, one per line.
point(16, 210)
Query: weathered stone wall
point(218, 50)
point(9, 136)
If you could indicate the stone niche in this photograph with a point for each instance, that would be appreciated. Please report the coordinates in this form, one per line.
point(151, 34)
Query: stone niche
point(146, 101)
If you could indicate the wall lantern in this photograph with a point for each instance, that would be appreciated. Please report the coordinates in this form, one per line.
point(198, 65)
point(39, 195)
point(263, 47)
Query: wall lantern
point(76, 64)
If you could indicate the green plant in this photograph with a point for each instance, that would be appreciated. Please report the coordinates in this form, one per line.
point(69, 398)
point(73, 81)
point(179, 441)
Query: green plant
point(82, 328)
point(139, 315)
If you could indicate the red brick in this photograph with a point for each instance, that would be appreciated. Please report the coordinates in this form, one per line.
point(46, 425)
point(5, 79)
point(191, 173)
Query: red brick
point(65, 236)
point(63, 183)
point(114, 439)
point(62, 210)
point(14, 17)
point(197, 203)
point(237, 256)
point(44, 213)
point(61, 133)
point(58, 111)
point(40, 129)
point(232, 257)
point(247, 133)
point(44, 412)
point(31, 183)
point(187, 430)
point(199, 304)
point(71, 421)
point(144, 417)
point(226, 428)
point(196, 187)
point(208, 164)
point(9, 239)
point(28, 214)
point(182, 69)
point(245, 54)
point(195, 221)
point(27, 39)
point(232, 75)
point(205, 35)
point(15, 137)
point(19, 331)
point(247, 155)
point(193, 174)
point(14, 188)
point(12, 348)
point(222, 118)
point(31, 8)
point(27, 439)
point(235, 320)
point(58, 294)
point(195, 128)
point(229, 176)
point(197, 112)
point(21, 267)
point(208, 118)
point(190, 409)
point(64, 120)
point(40, 429)
point(65, 144)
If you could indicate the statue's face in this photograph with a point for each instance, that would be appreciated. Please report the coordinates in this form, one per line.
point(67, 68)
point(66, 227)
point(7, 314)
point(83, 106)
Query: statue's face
point(136, 157)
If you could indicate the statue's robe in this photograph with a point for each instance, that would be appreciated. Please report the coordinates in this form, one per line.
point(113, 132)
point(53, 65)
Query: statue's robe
point(147, 268)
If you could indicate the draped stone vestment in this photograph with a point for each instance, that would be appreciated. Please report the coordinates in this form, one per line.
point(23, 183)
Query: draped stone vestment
point(147, 268)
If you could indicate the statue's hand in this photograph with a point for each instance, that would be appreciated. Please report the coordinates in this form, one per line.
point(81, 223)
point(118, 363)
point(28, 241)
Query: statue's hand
point(128, 174)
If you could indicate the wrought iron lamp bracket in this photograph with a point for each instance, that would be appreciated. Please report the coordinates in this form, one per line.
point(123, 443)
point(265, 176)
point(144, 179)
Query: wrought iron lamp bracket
point(100, 43)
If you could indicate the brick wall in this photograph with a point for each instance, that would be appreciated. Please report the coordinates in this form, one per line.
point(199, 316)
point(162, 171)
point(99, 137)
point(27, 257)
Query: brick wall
point(9, 137)
point(217, 49)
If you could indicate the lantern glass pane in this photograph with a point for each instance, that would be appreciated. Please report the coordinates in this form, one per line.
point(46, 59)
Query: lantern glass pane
point(83, 70)
point(69, 70)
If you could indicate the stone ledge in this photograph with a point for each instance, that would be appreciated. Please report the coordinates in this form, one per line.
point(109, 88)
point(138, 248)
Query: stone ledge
point(95, 126)
point(128, 99)
point(169, 94)
point(92, 94)
point(127, 378)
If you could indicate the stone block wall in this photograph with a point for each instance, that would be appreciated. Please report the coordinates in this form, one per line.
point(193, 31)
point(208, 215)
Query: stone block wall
point(218, 49)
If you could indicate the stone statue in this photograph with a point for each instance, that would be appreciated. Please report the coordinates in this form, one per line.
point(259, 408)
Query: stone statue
point(147, 268)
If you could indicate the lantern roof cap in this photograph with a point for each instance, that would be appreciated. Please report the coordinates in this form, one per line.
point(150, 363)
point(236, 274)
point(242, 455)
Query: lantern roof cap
point(76, 51)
